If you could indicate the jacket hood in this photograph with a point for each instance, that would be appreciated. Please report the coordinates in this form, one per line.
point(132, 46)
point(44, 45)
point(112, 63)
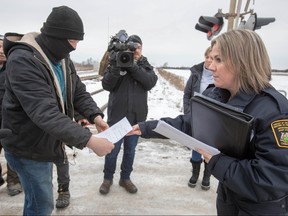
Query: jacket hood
point(26, 41)
point(10, 39)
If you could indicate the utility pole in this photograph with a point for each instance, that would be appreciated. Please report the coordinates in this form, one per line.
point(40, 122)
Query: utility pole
point(231, 15)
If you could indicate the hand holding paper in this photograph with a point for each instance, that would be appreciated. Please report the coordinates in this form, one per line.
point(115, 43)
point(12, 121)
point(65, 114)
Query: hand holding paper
point(182, 138)
point(99, 146)
point(207, 156)
point(117, 131)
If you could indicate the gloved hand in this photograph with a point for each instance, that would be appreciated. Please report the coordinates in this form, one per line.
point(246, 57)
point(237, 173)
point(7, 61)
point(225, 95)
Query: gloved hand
point(133, 67)
point(112, 58)
point(113, 63)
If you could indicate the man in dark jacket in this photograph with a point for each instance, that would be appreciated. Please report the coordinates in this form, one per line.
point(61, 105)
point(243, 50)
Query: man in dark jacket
point(128, 89)
point(42, 92)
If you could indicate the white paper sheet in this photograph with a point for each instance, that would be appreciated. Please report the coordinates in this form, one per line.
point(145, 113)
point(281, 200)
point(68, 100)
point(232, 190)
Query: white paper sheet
point(172, 133)
point(116, 131)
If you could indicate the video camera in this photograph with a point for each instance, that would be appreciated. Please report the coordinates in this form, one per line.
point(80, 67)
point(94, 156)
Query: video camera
point(124, 49)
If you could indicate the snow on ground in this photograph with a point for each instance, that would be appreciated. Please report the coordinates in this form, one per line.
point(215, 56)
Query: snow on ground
point(161, 172)
point(164, 100)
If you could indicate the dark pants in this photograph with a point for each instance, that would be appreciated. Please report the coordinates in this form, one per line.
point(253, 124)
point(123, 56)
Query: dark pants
point(130, 143)
point(12, 177)
point(63, 177)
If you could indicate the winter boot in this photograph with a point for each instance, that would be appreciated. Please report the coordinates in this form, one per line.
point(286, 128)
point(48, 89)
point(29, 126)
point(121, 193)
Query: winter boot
point(105, 186)
point(63, 199)
point(128, 185)
point(195, 173)
point(14, 189)
point(206, 178)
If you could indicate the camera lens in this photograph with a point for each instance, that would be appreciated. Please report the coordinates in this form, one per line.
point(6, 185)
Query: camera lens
point(125, 57)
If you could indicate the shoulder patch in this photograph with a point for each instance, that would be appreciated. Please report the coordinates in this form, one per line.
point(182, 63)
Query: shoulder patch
point(280, 131)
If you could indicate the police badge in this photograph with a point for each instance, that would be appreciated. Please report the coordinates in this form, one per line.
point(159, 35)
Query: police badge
point(280, 131)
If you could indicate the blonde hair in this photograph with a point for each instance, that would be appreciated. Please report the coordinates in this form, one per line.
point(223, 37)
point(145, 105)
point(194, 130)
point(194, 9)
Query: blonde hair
point(244, 52)
point(207, 51)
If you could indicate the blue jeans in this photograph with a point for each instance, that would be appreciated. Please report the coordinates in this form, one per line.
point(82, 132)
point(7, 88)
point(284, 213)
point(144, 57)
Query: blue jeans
point(130, 143)
point(196, 157)
point(36, 180)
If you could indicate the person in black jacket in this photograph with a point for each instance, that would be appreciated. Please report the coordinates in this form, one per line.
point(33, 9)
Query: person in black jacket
point(198, 81)
point(128, 89)
point(13, 183)
point(256, 184)
point(42, 92)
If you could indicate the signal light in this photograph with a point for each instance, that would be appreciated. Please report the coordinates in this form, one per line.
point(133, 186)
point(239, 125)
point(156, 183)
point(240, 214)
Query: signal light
point(210, 25)
point(255, 22)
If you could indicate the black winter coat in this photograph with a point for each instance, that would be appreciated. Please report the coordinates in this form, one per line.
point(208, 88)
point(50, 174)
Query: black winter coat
point(129, 91)
point(33, 108)
point(192, 85)
point(259, 185)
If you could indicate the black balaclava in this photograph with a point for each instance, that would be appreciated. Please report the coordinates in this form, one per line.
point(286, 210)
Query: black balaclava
point(62, 24)
point(55, 49)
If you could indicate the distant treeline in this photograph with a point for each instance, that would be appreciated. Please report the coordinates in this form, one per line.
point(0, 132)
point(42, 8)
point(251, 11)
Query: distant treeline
point(187, 68)
point(173, 79)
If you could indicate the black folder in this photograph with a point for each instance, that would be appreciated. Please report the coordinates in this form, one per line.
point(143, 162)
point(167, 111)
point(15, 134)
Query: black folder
point(220, 125)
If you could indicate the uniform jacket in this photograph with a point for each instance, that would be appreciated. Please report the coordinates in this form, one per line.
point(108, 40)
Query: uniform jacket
point(192, 85)
point(33, 107)
point(129, 91)
point(257, 184)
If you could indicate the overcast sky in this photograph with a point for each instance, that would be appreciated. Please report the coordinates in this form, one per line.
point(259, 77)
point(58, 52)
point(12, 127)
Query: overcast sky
point(167, 27)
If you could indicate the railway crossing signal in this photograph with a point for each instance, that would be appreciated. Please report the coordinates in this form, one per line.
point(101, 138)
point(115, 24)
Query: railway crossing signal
point(210, 25)
point(254, 22)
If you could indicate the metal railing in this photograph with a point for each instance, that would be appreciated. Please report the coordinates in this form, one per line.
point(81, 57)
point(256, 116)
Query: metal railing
point(90, 77)
point(103, 107)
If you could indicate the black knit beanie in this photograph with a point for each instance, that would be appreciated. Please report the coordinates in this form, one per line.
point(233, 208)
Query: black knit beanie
point(135, 39)
point(65, 23)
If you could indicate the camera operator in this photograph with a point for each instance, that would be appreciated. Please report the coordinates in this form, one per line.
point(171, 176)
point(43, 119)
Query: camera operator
point(128, 87)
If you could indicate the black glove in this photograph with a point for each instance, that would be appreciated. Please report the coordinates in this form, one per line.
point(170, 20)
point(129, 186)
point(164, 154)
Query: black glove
point(112, 58)
point(133, 68)
point(113, 64)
